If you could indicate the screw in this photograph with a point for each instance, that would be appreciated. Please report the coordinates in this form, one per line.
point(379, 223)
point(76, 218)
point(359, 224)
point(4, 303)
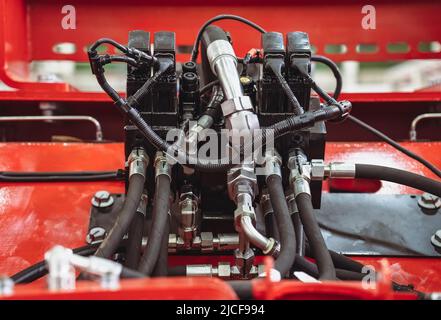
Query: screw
point(429, 201)
point(6, 286)
point(436, 239)
point(102, 199)
point(95, 235)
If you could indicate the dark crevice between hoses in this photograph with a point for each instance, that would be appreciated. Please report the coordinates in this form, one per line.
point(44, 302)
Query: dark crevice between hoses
point(124, 218)
point(315, 238)
point(285, 227)
point(134, 241)
point(161, 204)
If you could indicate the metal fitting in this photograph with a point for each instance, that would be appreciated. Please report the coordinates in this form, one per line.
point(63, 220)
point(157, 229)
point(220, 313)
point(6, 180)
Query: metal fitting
point(317, 169)
point(239, 115)
point(61, 272)
point(340, 170)
point(137, 162)
point(272, 163)
point(244, 261)
point(61, 263)
point(142, 206)
point(242, 180)
point(267, 245)
point(300, 175)
point(102, 200)
point(6, 286)
point(429, 201)
point(292, 205)
point(162, 167)
point(223, 63)
point(95, 235)
point(189, 209)
point(206, 242)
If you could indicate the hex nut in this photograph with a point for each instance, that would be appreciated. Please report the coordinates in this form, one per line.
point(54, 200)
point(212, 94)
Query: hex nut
point(102, 199)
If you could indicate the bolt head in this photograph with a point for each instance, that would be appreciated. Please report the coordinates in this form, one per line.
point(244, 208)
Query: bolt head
point(102, 199)
point(436, 239)
point(95, 235)
point(429, 201)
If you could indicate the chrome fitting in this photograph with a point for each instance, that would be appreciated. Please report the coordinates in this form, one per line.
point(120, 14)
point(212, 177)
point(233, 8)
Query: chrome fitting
point(239, 115)
point(189, 207)
point(242, 179)
point(267, 245)
point(162, 167)
point(340, 170)
point(272, 163)
point(292, 205)
point(137, 162)
point(300, 175)
point(317, 169)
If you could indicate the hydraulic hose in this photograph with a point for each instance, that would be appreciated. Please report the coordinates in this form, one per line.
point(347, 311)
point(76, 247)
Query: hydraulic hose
point(315, 238)
point(125, 216)
point(284, 224)
point(80, 176)
point(161, 204)
point(134, 241)
point(368, 171)
point(161, 267)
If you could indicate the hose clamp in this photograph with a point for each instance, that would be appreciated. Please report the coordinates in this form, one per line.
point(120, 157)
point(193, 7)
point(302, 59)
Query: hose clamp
point(272, 164)
point(138, 161)
point(340, 170)
point(162, 166)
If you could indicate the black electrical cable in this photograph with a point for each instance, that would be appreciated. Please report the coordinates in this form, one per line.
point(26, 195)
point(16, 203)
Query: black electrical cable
point(315, 238)
point(161, 267)
point(336, 72)
point(39, 270)
point(208, 86)
point(287, 254)
point(11, 176)
point(124, 218)
point(396, 145)
point(377, 133)
point(276, 67)
point(195, 51)
point(161, 205)
point(369, 171)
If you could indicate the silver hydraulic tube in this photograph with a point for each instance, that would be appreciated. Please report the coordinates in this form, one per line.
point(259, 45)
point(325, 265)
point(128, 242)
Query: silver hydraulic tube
point(255, 237)
point(238, 108)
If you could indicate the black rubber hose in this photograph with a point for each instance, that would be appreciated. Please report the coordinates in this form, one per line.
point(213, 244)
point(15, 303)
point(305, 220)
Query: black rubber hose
point(61, 176)
point(315, 238)
point(124, 218)
point(161, 204)
point(287, 254)
point(39, 270)
point(161, 267)
point(134, 241)
point(300, 234)
point(369, 171)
